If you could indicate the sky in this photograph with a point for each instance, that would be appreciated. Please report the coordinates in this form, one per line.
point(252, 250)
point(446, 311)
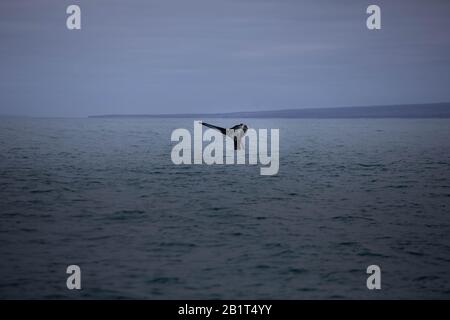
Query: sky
point(201, 56)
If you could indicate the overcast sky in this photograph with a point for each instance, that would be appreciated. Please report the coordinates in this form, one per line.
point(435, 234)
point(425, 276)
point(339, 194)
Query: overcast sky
point(182, 56)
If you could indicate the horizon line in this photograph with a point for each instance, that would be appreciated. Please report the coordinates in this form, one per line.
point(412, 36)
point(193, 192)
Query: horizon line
point(237, 113)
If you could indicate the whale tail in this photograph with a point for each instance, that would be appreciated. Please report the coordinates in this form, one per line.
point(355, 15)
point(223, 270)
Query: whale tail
point(236, 133)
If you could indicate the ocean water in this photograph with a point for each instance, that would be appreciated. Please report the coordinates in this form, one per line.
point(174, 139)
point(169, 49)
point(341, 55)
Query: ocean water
point(104, 194)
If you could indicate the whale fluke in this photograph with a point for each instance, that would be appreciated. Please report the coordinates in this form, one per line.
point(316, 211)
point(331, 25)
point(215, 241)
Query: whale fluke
point(236, 132)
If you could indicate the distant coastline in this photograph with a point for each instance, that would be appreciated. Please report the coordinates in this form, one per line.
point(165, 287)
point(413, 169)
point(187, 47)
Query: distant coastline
point(431, 110)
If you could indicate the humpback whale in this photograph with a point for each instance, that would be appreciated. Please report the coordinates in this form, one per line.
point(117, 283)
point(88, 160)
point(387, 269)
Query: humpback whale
point(236, 132)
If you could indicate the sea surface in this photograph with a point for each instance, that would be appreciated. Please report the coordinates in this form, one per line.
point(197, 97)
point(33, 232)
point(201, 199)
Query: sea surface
point(104, 194)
